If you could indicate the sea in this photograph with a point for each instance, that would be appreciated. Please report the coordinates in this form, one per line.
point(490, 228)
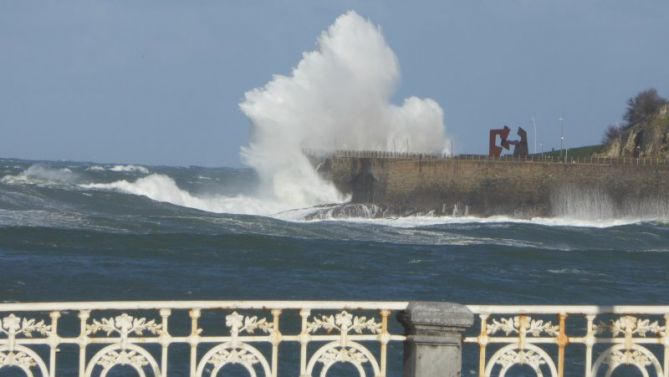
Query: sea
point(73, 231)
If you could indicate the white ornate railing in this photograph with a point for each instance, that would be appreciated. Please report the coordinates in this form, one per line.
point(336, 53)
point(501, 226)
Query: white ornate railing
point(201, 338)
point(140, 335)
point(549, 339)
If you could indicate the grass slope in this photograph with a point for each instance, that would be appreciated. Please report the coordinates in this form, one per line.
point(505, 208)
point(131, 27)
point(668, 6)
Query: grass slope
point(579, 152)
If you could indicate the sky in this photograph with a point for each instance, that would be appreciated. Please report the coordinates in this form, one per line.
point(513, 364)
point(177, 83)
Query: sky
point(160, 82)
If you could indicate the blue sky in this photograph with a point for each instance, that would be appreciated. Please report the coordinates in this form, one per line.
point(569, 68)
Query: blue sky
point(159, 82)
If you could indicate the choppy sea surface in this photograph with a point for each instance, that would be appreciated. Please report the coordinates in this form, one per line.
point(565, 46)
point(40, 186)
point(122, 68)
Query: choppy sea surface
point(82, 231)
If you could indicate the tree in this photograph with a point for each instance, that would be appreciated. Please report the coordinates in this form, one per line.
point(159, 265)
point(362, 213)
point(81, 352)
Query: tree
point(612, 133)
point(642, 107)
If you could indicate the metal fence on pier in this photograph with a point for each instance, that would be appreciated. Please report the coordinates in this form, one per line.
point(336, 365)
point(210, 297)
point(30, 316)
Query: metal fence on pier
point(650, 162)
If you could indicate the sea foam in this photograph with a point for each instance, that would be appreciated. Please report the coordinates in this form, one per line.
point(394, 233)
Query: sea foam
point(129, 169)
point(162, 188)
point(41, 175)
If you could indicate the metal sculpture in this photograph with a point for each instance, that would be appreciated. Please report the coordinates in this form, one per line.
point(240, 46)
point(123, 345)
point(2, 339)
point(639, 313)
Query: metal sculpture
point(520, 146)
point(503, 133)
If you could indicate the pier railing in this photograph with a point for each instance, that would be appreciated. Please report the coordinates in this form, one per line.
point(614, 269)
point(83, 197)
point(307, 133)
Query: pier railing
point(537, 158)
point(586, 340)
point(315, 338)
point(91, 339)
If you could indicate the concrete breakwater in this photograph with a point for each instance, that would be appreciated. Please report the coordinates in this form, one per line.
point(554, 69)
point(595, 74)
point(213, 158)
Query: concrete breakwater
point(590, 188)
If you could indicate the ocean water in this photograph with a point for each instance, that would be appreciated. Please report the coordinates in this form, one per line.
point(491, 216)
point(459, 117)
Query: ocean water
point(81, 231)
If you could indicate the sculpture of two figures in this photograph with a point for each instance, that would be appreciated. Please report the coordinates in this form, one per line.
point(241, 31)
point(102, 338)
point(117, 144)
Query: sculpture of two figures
point(519, 146)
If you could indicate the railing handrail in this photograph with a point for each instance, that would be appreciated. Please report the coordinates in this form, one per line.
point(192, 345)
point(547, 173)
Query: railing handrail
point(570, 309)
point(240, 304)
point(323, 305)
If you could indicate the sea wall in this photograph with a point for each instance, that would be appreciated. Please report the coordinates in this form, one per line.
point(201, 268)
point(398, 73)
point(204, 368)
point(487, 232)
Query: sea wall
point(485, 187)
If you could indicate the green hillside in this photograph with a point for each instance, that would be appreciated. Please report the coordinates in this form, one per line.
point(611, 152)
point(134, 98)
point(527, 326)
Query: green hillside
point(579, 152)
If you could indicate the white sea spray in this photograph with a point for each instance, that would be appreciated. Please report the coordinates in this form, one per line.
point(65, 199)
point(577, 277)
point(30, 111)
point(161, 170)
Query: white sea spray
point(337, 97)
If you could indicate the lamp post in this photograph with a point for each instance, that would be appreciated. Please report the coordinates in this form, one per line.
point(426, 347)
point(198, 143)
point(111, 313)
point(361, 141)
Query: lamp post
point(541, 145)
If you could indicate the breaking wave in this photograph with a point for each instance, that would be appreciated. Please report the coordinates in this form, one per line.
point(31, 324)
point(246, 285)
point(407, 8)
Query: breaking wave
point(337, 97)
point(162, 188)
point(572, 207)
point(129, 169)
point(577, 210)
point(422, 220)
point(42, 176)
point(120, 169)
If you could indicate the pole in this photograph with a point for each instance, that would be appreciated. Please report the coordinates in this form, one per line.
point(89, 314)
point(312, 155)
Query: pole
point(534, 124)
point(541, 145)
point(561, 136)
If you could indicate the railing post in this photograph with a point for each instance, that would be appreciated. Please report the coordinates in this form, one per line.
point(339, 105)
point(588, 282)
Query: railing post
point(434, 338)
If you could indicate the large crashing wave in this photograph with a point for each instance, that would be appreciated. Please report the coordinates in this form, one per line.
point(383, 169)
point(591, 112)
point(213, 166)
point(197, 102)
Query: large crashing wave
point(338, 97)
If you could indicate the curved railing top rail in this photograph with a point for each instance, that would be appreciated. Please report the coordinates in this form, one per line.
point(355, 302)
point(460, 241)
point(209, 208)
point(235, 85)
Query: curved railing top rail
point(571, 309)
point(142, 305)
point(326, 305)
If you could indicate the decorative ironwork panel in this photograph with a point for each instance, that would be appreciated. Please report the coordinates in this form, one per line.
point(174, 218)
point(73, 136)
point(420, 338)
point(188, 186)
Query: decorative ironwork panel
point(602, 339)
point(208, 336)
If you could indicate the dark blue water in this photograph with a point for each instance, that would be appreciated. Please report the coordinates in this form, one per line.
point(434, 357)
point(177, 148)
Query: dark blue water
point(62, 241)
point(63, 238)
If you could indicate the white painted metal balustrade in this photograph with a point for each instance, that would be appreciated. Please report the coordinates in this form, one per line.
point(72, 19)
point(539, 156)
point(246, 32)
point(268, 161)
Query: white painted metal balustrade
point(249, 334)
point(203, 338)
point(589, 341)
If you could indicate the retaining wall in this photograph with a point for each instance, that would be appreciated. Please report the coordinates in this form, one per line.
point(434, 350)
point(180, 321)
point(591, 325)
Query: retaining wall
point(498, 187)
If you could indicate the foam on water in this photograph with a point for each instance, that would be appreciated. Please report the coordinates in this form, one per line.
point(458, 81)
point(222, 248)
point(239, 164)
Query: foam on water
point(571, 271)
point(162, 188)
point(421, 221)
point(119, 169)
point(129, 169)
point(47, 218)
point(42, 176)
